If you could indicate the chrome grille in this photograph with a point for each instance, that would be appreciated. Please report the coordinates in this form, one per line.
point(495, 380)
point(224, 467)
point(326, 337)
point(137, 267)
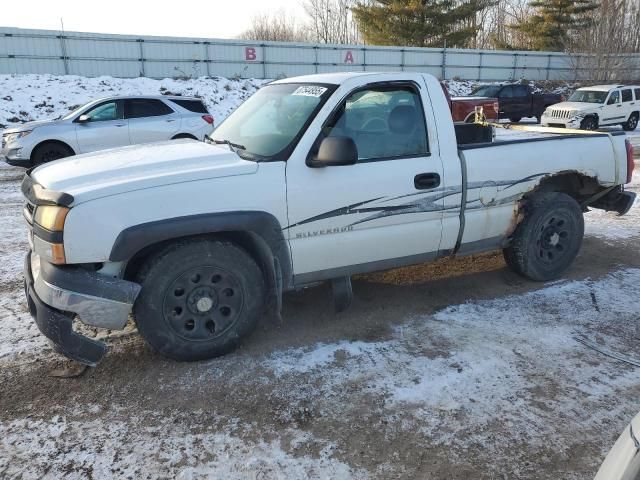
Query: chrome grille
point(554, 113)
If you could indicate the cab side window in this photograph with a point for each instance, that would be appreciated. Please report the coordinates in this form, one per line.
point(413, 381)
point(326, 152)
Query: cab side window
point(614, 98)
point(103, 112)
point(506, 92)
point(637, 93)
point(627, 96)
point(141, 108)
point(385, 123)
point(520, 91)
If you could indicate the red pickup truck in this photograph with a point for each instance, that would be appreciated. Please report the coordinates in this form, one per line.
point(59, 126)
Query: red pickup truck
point(463, 108)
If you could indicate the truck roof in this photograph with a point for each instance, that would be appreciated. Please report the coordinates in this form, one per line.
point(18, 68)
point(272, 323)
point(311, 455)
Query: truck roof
point(147, 97)
point(337, 78)
point(605, 88)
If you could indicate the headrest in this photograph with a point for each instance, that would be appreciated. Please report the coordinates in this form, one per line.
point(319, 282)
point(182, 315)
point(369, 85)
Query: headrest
point(402, 119)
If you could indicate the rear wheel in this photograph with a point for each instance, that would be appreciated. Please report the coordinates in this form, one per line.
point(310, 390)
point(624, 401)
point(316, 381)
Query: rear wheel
point(199, 298)
point(589, 123)
point(50, 151)
point(631, 124)
point(515, 119)
point(547, 241)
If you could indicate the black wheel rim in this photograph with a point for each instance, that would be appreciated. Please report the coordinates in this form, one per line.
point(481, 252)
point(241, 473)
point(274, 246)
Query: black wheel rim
point(633, 122)
point(554, 240)
point(203, 303)
point(590, 125)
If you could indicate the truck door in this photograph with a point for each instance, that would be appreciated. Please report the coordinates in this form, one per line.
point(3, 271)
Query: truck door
point(102, 127)
point(150, 120)
point(628, 103)
point(505, 97)
point(521, 102)
point(380, 212)
point(612, 110)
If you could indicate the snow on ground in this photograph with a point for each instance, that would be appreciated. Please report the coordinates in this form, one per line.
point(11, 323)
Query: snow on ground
point(508, 368)
point(129, 448)
point(487, 376)
point(39, 97)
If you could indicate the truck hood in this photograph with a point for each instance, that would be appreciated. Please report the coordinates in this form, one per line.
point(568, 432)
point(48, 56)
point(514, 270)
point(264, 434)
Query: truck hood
point(31, 125)
point(119, 170)
point(579, 106)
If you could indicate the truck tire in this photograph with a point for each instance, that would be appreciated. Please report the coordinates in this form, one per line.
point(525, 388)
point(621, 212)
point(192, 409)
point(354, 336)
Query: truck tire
point(515, 119)
point(631, 124)
point(48, 152)
point(547, 241)
point(199, 298)
point(589, 123)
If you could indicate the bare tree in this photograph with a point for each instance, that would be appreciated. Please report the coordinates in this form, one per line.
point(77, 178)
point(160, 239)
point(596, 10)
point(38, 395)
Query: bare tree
point(608, 49)
point(331, 21)
point(495, 22)
point(277, 27)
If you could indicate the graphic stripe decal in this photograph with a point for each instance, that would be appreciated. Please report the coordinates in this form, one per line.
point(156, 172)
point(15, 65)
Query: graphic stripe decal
point(420, 205)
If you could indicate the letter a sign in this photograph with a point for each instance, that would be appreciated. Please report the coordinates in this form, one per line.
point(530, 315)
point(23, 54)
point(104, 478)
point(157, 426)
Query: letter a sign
point(348, 58)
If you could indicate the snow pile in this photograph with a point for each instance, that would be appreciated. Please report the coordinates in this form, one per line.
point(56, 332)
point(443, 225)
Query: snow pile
point(25, 98)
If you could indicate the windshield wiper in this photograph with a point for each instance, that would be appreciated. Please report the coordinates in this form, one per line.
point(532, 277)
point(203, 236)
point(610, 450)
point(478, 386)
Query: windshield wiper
point(233, 146)
point(236, 148)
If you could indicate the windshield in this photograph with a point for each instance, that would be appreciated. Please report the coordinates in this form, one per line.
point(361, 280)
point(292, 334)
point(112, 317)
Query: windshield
point(588, 96)
point(488, 91)
point(269, 124)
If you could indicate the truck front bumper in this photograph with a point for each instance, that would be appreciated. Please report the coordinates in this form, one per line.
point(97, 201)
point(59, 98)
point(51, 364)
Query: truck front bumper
point(573, 122)
point(56, 295)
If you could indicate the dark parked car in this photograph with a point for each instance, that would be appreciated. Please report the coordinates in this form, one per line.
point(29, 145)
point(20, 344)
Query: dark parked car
point(518, 101)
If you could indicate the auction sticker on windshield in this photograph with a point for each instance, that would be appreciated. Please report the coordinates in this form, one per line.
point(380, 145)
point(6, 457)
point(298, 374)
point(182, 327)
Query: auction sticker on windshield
point(310, 91)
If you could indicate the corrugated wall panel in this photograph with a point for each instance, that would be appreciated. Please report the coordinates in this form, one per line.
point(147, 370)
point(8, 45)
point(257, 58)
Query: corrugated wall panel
point(93, 54)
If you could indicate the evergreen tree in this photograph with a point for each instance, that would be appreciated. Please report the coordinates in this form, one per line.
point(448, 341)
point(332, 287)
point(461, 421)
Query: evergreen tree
point(419, 23)
point(554, 21)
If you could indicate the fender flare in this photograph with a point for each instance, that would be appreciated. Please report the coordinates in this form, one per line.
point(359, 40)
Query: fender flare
point(262, 226)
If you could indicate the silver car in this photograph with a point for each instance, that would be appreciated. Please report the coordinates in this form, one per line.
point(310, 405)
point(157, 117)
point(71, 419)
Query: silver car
point(106, 123)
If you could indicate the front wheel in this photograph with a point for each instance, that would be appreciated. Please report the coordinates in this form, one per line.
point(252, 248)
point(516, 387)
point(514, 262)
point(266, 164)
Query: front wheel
point(515, 119)
point(631, 124)
point(199, 298)
point(48, 152)
point(589, 123)
point(547, 241)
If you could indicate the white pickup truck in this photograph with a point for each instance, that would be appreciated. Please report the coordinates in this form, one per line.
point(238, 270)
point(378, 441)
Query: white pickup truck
point(312, 179)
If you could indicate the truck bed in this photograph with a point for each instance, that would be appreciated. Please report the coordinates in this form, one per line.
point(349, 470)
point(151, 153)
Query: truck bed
point(496, 174)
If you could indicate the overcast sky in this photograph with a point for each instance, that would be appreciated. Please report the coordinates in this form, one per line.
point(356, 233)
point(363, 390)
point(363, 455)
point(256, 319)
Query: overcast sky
point(188, 18)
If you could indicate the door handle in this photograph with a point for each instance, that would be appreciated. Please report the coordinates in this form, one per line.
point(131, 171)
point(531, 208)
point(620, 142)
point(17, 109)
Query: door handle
point(426, 181)
point(120, 124)
point(170, 120)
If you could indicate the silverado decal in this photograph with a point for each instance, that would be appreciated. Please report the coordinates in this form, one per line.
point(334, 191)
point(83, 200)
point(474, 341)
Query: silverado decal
point(420, 202)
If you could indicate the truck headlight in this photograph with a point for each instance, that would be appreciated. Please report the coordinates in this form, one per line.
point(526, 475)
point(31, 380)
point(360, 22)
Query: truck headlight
point(12, 137)
point(51, 217)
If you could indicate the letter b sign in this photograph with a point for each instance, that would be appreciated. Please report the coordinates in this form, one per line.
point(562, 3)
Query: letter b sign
point(250, 54)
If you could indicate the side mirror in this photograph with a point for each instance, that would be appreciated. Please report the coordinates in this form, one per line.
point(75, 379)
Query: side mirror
point(84, 119)
point(335, 152)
